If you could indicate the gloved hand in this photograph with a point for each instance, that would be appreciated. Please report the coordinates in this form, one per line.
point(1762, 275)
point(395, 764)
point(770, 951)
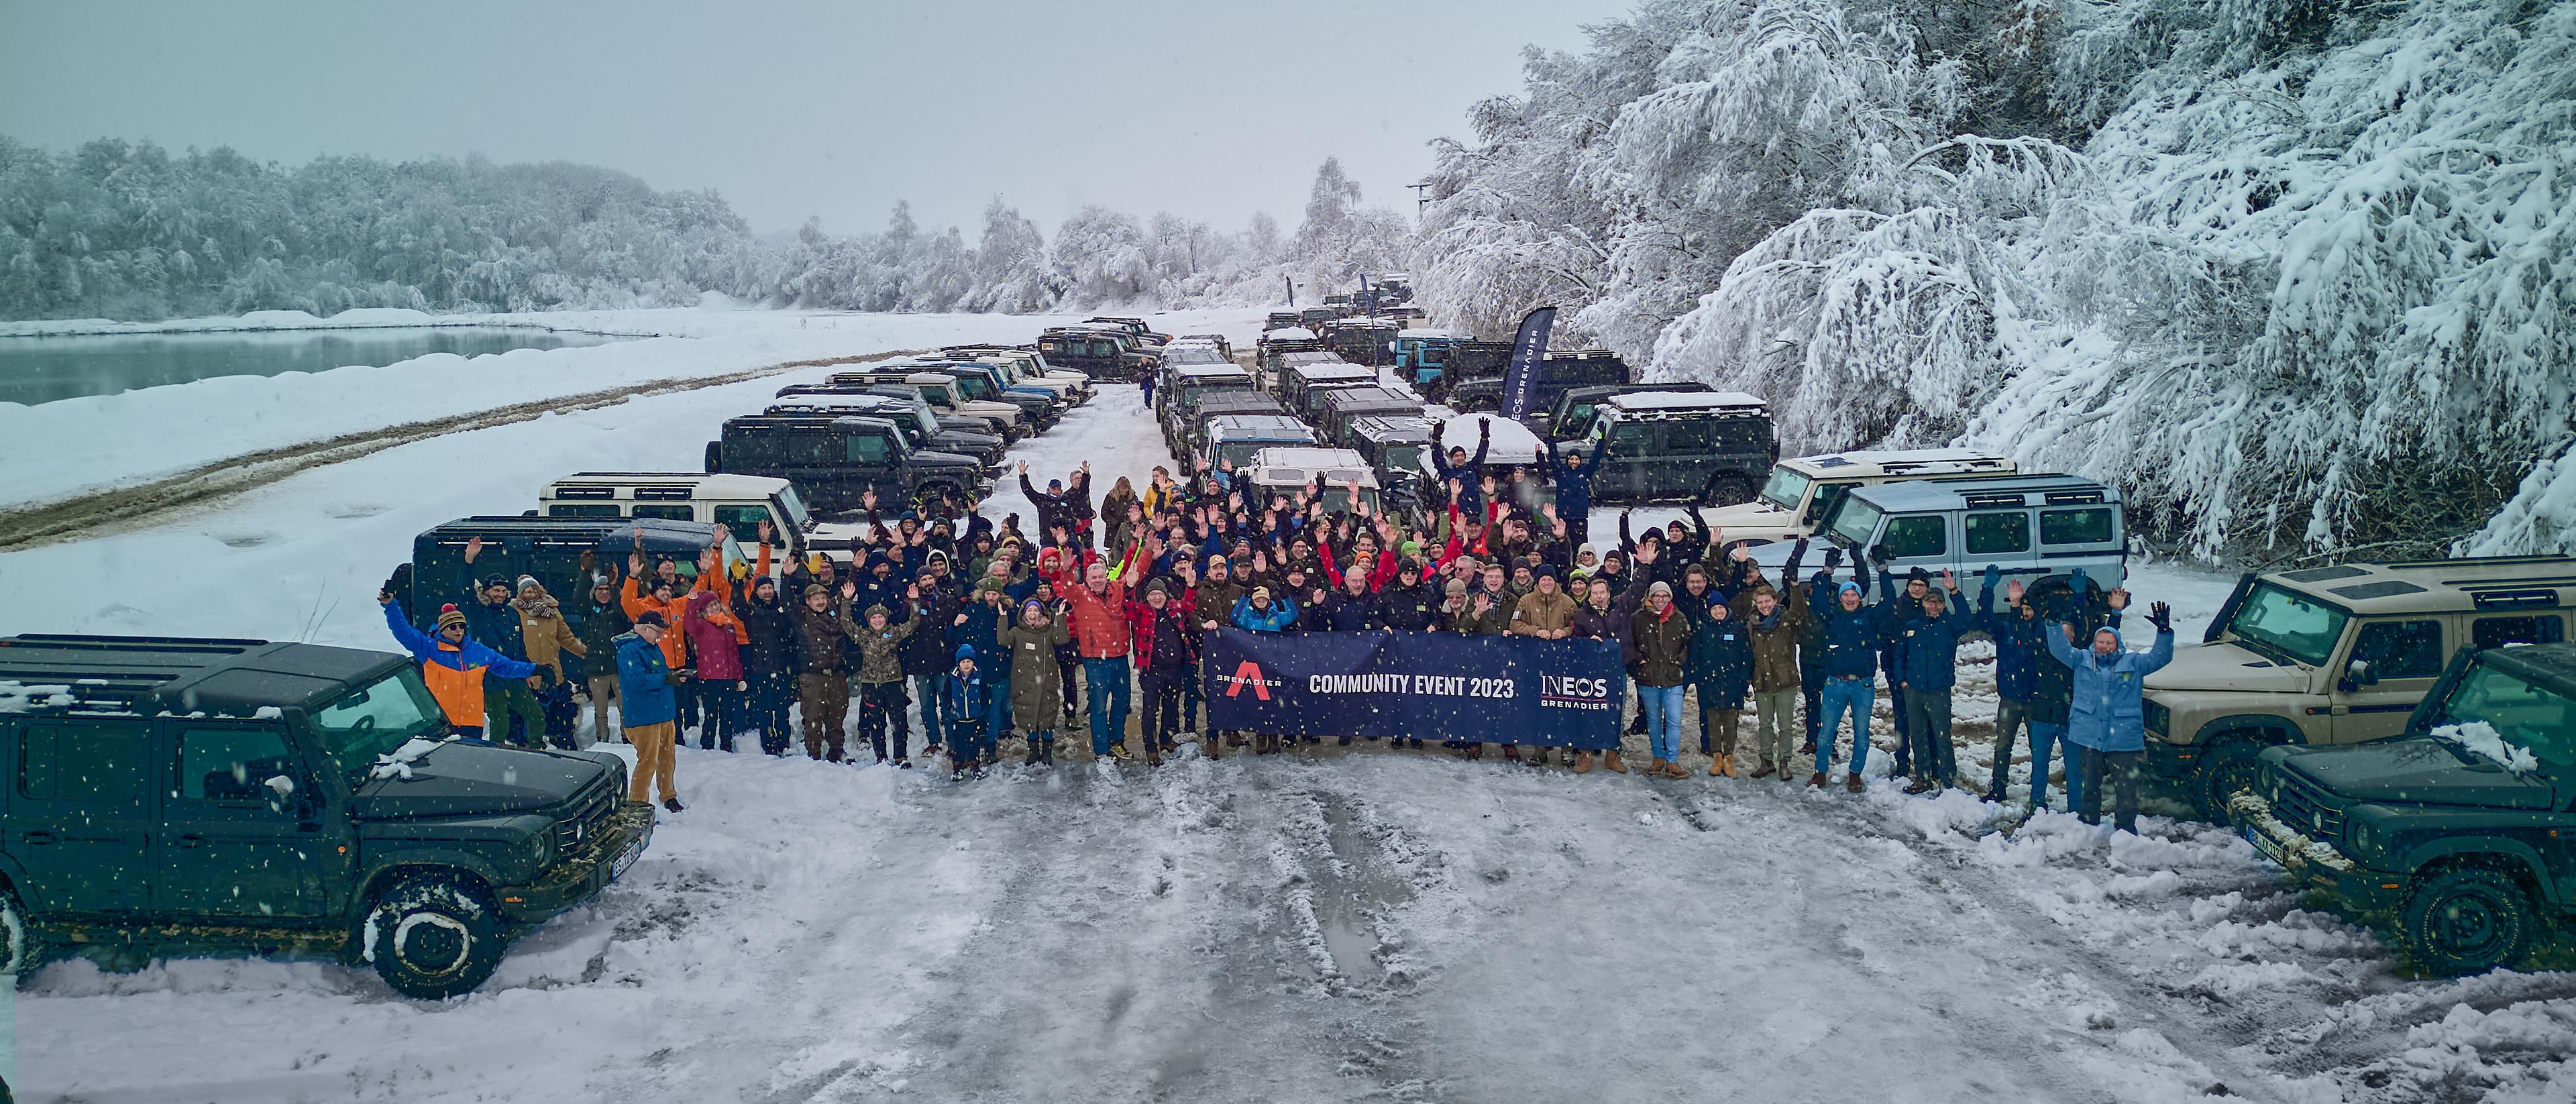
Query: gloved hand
point(1994, 575)
point(2161, 616)
point(1878, 555)
point(2078, 583)
point(1833, 557)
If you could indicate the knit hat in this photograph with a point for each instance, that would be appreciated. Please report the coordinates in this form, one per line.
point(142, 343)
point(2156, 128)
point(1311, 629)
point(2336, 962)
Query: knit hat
point(965, 652)
point(449, 615)
point(653, 618)
point(1157, 587)
point(526, 581)
point(1848, 587)
point(1918, 575)
point(1661, 587)
point(763, 581)
point(1457, 588)
point(1544, 571)
point(1409, 548)
point(1032, 604)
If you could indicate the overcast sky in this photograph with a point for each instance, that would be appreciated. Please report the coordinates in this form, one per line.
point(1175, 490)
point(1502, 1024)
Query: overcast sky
point(1208, 109)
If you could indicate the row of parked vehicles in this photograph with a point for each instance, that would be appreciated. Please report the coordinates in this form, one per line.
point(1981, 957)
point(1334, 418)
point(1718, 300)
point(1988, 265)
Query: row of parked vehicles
point(191, 796)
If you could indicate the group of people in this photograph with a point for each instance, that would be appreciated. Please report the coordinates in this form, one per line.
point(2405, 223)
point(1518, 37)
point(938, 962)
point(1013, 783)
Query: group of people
point(982, 632)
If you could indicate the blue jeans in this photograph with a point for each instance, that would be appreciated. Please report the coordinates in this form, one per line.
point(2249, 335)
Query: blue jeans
point(925, 691)
point(1104, 682)
point(1855, 695)
point(1662, 706)
point(2045, 738)
point(2076, 754)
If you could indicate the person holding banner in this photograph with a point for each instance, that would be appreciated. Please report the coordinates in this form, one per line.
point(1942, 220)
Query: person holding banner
point(1256, 612)
point(1166, 654)
point(1659, 637)
point(1545, 613)
point(1601, 618)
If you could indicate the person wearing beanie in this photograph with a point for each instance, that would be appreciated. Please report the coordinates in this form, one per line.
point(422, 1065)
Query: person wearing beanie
point(516, 716)
point(1037, 683)
point(1411, 605)
point(1259, 612)
point(647, 685)
point(1659, 647)
point(1720, 669)
point(1166, 647)
point(602, 620)
point(769, 661)
point(881, 703)
point(454, 665)
point(1851, 634)
point(1545, 613)
point(545, 636)
point(1927, 666)
point(1774, 624)
point(965, 705)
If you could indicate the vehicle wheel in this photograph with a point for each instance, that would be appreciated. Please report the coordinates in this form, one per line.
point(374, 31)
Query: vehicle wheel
point(431, 938)
point(2231, 764)
point(20, 953)
point(2468, 920)
point(1726, 490)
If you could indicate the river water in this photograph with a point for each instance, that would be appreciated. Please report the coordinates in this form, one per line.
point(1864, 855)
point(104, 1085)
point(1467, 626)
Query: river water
point(46, 369)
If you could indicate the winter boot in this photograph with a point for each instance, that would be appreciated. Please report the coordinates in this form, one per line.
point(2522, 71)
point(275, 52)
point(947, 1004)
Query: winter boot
point(673, 804)
point(1033, 753)
point(1762, 768)
point(1717, 766)
point(1153, 755)
point(1512, 752)
point(1918, 786)
point(1046, 754)
point(1610, 761)
point(1659, 769)
point(1582, 762)
point(1817, 780)
point(1343, 742)
point(1475, 751)
point(1852, 782)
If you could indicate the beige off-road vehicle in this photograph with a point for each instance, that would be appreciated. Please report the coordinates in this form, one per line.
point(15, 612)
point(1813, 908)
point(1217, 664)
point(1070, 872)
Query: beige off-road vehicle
point(2335, 655)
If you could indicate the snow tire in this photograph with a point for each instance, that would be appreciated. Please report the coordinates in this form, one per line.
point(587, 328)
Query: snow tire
point(2468, 920)
point(432, 937)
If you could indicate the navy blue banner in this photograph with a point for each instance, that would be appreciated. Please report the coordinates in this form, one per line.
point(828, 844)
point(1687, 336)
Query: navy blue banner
point(1529, 347)
point(1435, 686)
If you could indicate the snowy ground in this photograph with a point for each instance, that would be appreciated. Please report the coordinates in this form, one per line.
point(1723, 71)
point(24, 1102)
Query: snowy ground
point(1364, 925)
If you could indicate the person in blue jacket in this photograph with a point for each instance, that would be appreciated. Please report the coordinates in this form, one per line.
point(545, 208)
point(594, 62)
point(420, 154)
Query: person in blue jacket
point(2107, 716)
point(966, 706)
point(1572, 475)
point(646, 692)
point(1852, 633)
point(453, 664)
point(2018, 633)
point(1927, 667)
point(1255, 612)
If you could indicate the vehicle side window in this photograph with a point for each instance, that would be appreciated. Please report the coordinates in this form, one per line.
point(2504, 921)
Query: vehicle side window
point(743, 520)
point(2400, 649)
point(91, 762)
point(2496, 632)
point(581, 509)
point(1821, 504)
point(231, 764)
point(1630, 439)
point(812, 447)
point(1997, 533)
point(1685, 438)
point(665, 511)
point(1918, 535)
point(2091, 525)
point(757, 446)
point(867, 448)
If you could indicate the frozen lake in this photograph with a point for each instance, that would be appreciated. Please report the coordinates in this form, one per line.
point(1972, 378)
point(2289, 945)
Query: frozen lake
point(45, 369)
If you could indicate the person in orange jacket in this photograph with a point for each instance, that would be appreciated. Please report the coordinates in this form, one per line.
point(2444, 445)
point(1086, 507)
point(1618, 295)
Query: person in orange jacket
point(452, 665)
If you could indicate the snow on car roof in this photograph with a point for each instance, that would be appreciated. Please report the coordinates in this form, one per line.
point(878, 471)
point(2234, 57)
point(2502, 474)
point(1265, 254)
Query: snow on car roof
point(1426, 333)
point(1685, 400)
point(1513, 442)
point(1291, 333)
point(1932, 459)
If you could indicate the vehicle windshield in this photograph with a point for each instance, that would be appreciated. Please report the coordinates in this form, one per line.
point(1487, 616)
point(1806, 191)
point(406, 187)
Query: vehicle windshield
point(975, 386)
point(1241, 454)
point(2524, 714)
point(2286, 621)
point(937, 397)
point(1856, 523)
point(376, 720)
point(1785, 489)
point(793, 508)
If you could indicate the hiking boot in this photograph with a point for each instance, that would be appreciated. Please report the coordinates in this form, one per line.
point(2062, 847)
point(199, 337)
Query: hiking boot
point(673, 804)
point(1582, 762)
point(1153, 758)
point(1610, 761)
point(1717, 766)
point(1762, 768)
point(957, 772)
point(1512, 752)
point(1852, 782)
point(1919, 786)
point(1807, 747)
point(1817, 780)
point(1119, 752)
point(1659, 769)
point(1475, 751)
point(1046, 751)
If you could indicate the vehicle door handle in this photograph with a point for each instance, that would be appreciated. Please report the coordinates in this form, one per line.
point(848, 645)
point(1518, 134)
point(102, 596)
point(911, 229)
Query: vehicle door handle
point(38, 839)
point(191, 840)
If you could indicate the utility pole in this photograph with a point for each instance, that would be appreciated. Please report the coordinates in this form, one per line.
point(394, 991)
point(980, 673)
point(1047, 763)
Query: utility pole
point(1421, 196)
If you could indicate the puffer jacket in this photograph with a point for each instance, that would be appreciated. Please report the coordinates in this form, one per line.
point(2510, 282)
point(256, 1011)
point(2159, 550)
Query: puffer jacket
point(1927, 648)
point(1281, 615)
point(1851, 638)
point(881, 650)
point(1540, 612)
point(547, 635)
point(2020, 650)
point(928, 652)
point(1721, 661)
point(644, 694)
point(1414, 609)
point(773, 637)
point(1037, 684)
point(715, 636)
point(1659, 645)
point(2107, 711)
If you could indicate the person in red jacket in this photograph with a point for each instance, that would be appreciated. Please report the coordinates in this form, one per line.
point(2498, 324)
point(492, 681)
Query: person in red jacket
point(716, 636)
point(1166, 640)
point(1096, 609)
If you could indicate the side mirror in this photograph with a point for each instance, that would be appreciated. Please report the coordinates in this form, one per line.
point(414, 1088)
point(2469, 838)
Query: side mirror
point(2356, 675)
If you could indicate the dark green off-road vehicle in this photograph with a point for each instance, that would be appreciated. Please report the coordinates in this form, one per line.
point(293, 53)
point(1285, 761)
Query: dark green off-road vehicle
point(194, 796)
point(2459, 836)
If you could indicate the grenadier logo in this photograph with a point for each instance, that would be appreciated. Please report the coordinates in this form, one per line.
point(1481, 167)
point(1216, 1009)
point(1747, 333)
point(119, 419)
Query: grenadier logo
point(1249, 674)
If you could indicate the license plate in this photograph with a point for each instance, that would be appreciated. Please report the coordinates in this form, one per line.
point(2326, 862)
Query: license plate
point(2267, 845)
point(633, 852)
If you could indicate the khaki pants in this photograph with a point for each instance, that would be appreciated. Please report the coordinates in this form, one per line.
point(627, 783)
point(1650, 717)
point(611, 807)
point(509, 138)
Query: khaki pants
point(824, 698)
point(603, 693)
point(1775, 736)
point(652, 760)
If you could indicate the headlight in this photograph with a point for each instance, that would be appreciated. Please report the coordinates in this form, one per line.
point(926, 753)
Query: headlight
point(543, 848)
point(2359, 839)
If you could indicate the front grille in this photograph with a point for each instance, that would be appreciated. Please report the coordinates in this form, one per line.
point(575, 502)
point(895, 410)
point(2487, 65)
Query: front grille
point(582, 819)
point(2305, 810)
